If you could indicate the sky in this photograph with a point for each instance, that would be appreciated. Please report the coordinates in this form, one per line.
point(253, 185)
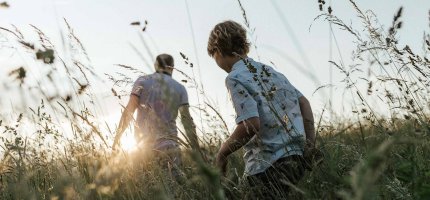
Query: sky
point(282, 35)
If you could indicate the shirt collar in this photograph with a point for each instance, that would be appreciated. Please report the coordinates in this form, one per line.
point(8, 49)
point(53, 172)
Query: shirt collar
point(162, 72)
point(240, 63)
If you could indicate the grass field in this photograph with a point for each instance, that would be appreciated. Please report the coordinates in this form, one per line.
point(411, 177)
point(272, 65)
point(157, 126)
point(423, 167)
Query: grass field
point(372, 155)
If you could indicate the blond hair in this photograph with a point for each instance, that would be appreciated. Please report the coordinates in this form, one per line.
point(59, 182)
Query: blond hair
point(227, 38)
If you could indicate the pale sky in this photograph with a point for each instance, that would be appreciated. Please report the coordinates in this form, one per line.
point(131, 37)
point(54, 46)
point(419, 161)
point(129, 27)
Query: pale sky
point(104, 29)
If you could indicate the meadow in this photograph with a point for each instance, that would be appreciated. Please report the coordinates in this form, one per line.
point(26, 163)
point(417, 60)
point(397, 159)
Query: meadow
point(371, 155)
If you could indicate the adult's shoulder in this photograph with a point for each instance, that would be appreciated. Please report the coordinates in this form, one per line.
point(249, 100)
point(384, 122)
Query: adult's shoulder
point(178, 85)
point(143, 77)
point(139, 80)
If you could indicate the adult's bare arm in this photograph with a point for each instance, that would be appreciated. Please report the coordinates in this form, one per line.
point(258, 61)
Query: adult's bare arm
point(126, 117)
point(189, 126)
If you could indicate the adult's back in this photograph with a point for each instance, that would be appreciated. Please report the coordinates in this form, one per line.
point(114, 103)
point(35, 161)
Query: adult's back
point(160, 97)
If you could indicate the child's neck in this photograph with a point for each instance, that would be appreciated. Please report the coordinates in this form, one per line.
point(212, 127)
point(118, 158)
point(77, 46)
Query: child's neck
point(234, 60)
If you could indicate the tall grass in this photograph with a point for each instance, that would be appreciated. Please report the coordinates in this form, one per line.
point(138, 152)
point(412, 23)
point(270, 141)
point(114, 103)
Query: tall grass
point(58, 149)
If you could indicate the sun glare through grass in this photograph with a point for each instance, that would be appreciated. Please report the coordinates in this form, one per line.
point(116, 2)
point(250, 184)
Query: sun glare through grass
point(128, 143)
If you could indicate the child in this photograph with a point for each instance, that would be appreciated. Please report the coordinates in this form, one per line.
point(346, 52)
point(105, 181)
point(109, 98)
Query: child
point(274, 120)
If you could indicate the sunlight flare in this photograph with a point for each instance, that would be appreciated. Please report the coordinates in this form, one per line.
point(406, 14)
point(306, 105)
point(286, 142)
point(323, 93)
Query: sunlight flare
point(128, 143)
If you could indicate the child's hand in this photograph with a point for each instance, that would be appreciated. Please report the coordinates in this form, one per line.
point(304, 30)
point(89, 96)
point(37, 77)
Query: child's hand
point(312, 156)
point(221, 163)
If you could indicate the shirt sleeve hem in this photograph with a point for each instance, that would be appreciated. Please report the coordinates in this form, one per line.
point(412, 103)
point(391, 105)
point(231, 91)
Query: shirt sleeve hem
point(245, 117)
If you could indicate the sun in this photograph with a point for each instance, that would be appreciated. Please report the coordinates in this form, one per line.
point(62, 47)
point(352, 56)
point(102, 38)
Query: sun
point(128, 143)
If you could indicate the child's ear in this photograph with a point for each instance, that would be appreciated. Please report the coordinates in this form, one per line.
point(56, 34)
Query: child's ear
point(220, 54)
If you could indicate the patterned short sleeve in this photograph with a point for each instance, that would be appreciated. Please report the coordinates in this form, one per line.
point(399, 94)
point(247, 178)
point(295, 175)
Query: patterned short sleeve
point(243, 103)
point(137, 87)
point(299, 94)
point(290, 87)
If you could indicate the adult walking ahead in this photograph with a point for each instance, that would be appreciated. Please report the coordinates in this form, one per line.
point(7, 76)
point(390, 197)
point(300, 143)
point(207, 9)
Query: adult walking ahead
point(158, 98)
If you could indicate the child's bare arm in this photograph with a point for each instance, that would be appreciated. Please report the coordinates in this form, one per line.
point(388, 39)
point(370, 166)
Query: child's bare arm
point(308, 120)
point(241, 135)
